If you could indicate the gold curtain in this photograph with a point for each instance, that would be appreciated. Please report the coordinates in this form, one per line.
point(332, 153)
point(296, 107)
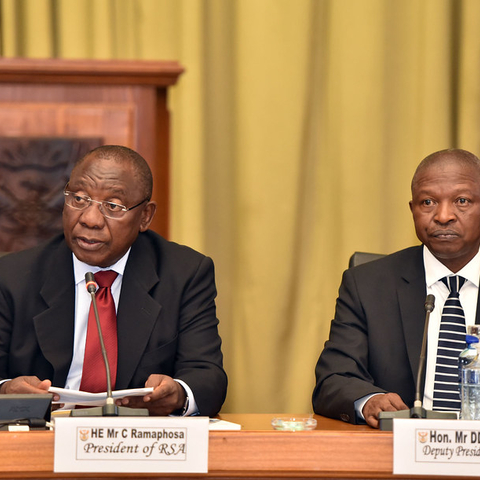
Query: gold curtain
point(296, 130)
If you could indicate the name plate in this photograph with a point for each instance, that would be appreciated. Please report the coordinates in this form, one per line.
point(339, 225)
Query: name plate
point(436, 447)
point(131, 444)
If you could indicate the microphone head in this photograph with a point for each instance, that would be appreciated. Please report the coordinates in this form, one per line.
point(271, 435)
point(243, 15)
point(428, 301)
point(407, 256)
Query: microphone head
point(90, 282)
point(429, 303)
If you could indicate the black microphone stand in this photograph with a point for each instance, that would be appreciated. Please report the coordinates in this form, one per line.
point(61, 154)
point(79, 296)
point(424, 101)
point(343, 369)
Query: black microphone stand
point(417, 411)
point(109, 409)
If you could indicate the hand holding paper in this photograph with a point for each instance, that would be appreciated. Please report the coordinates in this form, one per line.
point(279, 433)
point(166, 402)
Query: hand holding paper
point(77, 397)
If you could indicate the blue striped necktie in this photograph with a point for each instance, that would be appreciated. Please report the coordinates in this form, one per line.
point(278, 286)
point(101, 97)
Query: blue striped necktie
point(451, 341)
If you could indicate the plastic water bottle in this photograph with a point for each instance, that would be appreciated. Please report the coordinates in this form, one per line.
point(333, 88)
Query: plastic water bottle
point(469, 355)
point(469, 365)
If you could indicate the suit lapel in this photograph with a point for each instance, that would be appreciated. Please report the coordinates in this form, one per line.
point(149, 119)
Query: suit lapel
point(55, 325)
point(411, 299)
point(137, 313)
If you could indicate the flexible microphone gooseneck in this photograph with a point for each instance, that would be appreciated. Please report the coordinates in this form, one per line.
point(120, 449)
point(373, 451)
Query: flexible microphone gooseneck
point(429, 306)
point(109, 409)
point(417, 411)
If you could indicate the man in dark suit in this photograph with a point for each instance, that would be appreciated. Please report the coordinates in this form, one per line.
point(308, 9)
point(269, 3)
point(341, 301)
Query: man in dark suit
point(164, 296)
point(370, 362)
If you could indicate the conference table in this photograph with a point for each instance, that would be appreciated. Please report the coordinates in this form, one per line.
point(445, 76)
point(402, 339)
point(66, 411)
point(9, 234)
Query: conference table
point(333, 450)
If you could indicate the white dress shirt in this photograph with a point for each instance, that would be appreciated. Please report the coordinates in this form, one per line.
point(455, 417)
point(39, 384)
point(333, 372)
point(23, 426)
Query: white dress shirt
point(434, 272)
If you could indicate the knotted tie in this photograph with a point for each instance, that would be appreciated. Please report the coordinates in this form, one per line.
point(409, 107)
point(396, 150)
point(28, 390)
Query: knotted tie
point(94, 377)
point(451, 341)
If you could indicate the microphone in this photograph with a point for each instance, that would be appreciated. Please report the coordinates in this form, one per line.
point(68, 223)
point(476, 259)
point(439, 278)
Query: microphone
point(417, 410)
point(109, 409)
point(386, 418)
point(92, 287)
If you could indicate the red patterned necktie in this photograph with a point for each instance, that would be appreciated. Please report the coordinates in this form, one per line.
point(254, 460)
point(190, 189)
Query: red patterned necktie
point(94, 377)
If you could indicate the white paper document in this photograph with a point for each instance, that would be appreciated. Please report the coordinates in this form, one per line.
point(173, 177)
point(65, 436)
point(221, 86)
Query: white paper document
point(77, 397)
point(217, 424)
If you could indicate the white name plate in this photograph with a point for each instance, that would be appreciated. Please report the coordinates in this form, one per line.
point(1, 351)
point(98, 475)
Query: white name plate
point(131, 444)
point(436, 447)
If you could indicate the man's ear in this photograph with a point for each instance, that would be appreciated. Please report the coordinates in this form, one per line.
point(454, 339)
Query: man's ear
point(147, 215)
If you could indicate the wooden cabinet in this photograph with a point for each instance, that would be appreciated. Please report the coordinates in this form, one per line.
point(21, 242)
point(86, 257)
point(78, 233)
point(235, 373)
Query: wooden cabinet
point(53, 111)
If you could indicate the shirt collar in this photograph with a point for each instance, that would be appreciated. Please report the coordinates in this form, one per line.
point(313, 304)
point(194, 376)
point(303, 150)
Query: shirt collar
point(436, 270)
point(81, 268)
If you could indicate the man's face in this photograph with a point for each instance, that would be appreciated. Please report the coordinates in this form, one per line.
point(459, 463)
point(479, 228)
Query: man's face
point(446, 212)
point(93, 238)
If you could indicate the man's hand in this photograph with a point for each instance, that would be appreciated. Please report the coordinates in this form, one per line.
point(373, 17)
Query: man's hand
point(388, 402)
point(26, 385)
point(167, 396)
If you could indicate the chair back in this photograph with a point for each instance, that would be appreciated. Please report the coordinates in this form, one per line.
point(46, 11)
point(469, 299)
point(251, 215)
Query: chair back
point(363, 257)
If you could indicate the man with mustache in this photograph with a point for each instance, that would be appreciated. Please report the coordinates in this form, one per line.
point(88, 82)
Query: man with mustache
point(370, 362)
point(163, 298)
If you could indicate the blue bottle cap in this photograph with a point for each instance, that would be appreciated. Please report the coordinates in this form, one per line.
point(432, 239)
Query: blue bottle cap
point(471, 339)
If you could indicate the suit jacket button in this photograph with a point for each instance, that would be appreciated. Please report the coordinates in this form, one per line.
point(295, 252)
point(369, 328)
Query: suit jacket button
point(345, 417)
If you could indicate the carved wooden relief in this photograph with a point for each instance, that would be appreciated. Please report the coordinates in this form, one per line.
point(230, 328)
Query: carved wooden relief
point(33, 173)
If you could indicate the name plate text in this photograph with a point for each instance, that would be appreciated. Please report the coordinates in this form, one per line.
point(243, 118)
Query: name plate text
point(436, 447)
point(131, 444)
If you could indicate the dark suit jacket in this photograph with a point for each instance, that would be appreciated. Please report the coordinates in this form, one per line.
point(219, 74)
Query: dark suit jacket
point(166, 317)
point(376, 336)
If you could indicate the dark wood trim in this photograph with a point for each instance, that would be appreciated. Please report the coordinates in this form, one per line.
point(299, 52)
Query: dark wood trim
point(119, 72)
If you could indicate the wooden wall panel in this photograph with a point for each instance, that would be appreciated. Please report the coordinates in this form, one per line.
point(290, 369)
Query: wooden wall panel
point(33, 174)
point(116, 123)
